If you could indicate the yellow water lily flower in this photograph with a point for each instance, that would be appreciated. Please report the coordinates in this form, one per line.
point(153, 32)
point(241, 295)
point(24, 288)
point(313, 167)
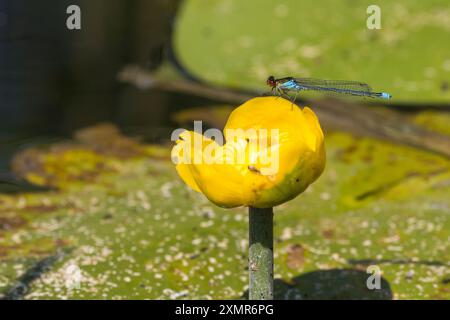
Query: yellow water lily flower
point(274, 150)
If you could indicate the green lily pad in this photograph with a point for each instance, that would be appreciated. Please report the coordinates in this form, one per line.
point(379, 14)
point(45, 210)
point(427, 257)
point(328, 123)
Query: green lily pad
point(240, 43)
point(138, 232)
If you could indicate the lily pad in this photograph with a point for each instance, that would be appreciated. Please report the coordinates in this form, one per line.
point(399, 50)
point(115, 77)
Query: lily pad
point(139, 232)
point(240, 43)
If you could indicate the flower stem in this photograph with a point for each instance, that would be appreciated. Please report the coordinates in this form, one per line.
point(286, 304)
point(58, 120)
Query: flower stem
point(260, 254)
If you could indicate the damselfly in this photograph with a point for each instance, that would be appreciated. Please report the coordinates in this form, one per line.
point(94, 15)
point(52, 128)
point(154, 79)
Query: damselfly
point(283, 86)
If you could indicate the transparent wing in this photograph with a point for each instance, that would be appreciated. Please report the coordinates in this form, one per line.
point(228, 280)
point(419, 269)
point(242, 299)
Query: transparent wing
point(325, 85)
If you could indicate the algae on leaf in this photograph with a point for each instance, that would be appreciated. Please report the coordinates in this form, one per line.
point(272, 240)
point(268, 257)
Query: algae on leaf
point(139, 232)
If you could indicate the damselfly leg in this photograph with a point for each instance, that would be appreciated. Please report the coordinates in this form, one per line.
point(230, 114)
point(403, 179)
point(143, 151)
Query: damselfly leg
point(283, 94)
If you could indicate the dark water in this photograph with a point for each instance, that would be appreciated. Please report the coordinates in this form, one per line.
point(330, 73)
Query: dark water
point(54, 81)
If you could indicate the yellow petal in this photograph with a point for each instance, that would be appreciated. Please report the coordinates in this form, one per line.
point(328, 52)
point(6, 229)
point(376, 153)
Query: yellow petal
point(185, 174)
point(246, 171)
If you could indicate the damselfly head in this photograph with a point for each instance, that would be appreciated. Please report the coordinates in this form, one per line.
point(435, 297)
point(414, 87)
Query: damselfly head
point(271, 81)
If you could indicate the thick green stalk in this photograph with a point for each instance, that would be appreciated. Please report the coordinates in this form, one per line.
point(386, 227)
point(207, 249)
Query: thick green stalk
point(260, 265)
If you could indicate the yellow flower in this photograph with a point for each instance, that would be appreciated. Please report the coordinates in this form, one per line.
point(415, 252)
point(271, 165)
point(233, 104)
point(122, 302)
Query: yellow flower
point(274, 150)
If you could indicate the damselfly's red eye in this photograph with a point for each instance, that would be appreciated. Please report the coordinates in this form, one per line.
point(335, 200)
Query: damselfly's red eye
point(271, 81)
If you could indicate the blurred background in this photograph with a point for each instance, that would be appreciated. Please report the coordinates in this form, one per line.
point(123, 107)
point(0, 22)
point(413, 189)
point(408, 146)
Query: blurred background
point(84, 146)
